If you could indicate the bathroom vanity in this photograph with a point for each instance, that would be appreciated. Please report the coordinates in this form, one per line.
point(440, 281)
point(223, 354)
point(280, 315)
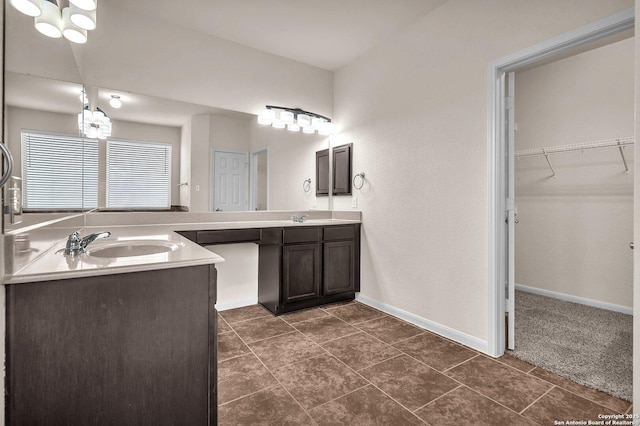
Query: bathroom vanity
point(299, 266)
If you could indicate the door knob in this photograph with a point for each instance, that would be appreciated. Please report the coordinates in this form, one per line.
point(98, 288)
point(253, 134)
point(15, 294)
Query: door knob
point(631, 245)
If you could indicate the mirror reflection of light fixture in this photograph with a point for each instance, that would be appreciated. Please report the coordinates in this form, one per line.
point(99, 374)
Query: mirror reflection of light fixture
point(28, 7)
point(72, 22)
point(115, 101)
point(94, 124)
point(295, 119)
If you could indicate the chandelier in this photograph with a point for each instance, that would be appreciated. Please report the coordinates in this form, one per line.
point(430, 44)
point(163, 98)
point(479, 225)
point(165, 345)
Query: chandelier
point(94, 124)
point(296, 119)
point(72, 22)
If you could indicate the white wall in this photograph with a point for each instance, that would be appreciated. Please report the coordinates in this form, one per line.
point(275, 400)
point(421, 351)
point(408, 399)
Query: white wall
point(237, 275)
point(415, 109)
point(21, 118)
point(574, 229)
point(636, 231)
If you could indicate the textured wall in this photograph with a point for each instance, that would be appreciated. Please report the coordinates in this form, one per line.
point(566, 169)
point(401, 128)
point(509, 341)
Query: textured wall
point(415, 108)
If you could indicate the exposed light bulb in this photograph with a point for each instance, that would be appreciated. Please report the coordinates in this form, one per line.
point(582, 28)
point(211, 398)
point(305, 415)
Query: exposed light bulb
point(115, 101)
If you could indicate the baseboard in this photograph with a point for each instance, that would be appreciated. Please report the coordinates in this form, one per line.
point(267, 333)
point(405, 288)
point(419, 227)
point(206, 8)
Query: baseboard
point(443, 330)
point(575, 299)
point(236, 304)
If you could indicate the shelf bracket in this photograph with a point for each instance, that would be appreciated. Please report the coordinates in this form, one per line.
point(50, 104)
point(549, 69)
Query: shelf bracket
point(546, 156)
point(624, 160)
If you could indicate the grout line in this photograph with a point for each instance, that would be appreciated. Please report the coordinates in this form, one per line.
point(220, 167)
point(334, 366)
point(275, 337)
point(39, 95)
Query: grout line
point(247, 395)
point(537, 399)
point(459, 364)
point(629, 409)
point(342, 396)
point(441, 396)
point(499, 403)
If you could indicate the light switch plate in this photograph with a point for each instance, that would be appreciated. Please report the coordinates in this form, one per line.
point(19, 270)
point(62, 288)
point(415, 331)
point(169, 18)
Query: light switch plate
point(354, 202)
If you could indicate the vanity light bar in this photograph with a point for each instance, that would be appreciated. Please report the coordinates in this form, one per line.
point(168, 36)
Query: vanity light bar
point(296, 119)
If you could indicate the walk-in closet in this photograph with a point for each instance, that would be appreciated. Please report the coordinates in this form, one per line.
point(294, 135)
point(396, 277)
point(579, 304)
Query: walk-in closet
point(574, 143)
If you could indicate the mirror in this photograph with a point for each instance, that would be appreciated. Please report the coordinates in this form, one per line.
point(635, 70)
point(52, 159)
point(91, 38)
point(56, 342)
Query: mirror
point(43, 84)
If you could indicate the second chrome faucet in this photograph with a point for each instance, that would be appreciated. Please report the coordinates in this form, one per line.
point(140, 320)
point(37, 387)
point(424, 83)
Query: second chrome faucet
point(77, 245)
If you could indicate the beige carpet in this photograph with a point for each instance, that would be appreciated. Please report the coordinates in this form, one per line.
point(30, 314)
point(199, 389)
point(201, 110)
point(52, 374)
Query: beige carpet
point(588, 345)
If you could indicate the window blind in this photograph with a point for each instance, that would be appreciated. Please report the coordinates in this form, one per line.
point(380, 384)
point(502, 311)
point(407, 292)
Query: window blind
point(60, 172)
point(138, 175)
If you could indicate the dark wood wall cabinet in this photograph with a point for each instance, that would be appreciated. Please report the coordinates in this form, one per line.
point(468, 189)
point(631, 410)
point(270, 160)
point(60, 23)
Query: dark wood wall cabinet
point(125, 349)
point(342, 169)
point(301, 267)
point(322, 172)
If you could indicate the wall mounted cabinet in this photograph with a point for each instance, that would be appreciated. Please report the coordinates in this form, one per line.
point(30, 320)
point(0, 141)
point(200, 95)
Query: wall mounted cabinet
point(342, 169)
point(322, 172)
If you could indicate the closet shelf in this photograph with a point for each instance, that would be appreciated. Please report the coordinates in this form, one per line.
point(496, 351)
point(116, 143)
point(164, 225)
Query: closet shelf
point(619, 143)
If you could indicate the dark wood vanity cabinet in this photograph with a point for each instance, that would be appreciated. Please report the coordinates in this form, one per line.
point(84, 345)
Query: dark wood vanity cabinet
point(124, 349)
point(301, 267)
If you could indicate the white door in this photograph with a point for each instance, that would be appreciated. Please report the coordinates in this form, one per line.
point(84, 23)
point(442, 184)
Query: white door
point(510, 220)
point(230, 181)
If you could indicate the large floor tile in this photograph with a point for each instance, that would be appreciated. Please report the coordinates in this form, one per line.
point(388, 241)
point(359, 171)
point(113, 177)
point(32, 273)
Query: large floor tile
point(269, 407)
point(466, 407)
point(436, 351)
point(389, 330)
point(306, 315)
point(245, 313)
point(365, 407)
point(408, 381)
point(241, 376)
point(230, 345)
point(560, 404)
point(512, 388)
point(318, 380)
point(356, 312)
point(325, 329)
point(516, 363)
point(596, 396)
point(285, 349)
point(261, 328)
point(223, 327)
point(360, 350)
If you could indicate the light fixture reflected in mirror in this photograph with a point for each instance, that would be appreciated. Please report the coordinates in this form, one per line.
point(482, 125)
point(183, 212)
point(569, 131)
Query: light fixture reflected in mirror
point(94, 124)
point(70, 30)
point(85, 19)
point(295, 119)
point(115, 101)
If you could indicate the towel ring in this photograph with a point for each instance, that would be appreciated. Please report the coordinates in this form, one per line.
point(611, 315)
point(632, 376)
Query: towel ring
point(361, 176)
point(306, 185)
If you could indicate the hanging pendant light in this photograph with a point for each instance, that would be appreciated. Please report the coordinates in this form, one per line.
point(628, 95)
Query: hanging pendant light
point(83, 18)
point(85, 4)
point(71, 31)
point(49, 22)
point(28, 7)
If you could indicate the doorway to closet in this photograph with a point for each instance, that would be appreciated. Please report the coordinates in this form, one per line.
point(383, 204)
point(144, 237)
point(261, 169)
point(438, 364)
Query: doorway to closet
point(573, 216)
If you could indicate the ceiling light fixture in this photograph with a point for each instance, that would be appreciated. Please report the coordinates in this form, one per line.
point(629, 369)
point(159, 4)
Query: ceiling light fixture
point(28, 7)
point(94, 124)
point(295, 119)
point(72, 22)
point(115, 101)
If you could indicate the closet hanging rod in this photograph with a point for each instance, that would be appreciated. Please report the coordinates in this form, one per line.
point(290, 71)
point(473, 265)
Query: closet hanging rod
point(619, 142)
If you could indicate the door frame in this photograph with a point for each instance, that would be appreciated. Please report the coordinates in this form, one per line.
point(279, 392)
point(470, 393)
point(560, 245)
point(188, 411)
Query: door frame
point(212, 178)
point(253, 178)
point(613, 25)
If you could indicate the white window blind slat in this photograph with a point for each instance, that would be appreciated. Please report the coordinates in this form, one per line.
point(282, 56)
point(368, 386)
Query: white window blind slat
point(60, 172)
point(138, 175)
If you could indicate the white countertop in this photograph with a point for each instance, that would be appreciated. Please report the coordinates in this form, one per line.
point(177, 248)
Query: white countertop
point(52, 264)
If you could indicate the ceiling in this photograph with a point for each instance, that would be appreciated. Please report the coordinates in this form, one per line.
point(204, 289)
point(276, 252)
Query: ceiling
point(326, 34)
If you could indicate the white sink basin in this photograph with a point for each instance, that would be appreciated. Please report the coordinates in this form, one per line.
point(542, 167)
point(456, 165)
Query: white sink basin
point(133, 248)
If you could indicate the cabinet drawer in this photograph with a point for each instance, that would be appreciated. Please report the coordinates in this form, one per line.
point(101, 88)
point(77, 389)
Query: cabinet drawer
point(339, 233)
point(301, 235)
point(228, 236)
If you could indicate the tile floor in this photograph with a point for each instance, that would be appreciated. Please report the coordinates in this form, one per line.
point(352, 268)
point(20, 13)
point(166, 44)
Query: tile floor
point(353, 365)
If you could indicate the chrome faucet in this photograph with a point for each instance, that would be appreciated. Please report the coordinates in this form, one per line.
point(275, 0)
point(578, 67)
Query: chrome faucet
point(299, 219)
point(77, 245)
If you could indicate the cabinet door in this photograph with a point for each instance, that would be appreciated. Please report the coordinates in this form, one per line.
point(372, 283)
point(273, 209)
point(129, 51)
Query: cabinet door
point(300, 272)
point(322, 172)
point(339, 267)
point(342, 170)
